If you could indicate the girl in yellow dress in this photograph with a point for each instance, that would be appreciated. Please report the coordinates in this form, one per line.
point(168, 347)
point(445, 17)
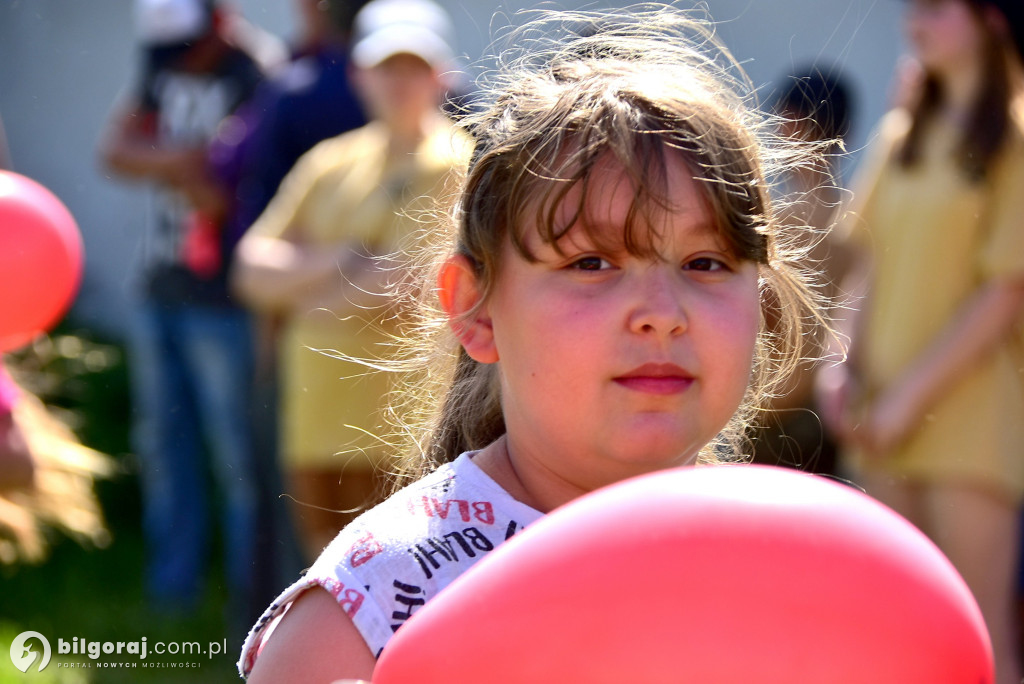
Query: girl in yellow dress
point(930, 404)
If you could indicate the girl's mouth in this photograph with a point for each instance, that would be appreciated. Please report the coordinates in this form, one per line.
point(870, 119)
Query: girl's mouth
point(656, 378)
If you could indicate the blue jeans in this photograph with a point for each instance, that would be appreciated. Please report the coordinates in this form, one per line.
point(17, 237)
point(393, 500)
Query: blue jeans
point(191, 370)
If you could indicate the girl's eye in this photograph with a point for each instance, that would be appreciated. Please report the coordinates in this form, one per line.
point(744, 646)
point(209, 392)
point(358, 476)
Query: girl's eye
point(590, 263)
point(705, 264)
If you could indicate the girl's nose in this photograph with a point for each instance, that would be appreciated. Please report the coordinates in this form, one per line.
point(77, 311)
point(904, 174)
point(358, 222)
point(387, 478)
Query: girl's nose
point(657, 305)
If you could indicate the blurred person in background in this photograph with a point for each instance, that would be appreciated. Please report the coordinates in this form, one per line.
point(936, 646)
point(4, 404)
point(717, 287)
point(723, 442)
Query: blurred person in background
point(930, 403)
point(308, 100)
point(190, 354)
point(815, 107)
point(318, 258)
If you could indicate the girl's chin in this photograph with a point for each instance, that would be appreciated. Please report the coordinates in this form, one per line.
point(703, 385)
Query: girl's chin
point(650, 457)
point(665, 443)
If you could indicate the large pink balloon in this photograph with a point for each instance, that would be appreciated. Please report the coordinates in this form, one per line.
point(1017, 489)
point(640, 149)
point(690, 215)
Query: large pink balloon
point(40, 259)
point(717, 575)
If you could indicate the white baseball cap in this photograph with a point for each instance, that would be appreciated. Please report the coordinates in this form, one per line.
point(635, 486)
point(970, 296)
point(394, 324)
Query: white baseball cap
point(385, 28)
point(169, 22)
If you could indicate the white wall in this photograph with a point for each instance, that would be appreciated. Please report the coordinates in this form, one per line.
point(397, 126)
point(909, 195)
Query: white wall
point(63, 62)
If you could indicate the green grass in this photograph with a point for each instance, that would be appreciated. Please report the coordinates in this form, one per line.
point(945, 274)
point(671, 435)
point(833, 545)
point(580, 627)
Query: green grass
point(97, 594)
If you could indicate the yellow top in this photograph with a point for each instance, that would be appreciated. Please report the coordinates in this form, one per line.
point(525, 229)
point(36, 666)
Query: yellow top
point(344, 191)
point(935, 239)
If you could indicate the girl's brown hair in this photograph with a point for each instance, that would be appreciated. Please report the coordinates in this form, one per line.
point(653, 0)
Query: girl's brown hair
point(634, 85)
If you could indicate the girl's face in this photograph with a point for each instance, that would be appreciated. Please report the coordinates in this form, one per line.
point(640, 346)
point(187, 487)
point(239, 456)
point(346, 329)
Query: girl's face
point(613, 365)
point(943, 33)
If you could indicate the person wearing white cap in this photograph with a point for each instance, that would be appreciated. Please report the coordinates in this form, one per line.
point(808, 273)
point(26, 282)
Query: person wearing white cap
point(190, 345)
point(171, 22)
point(312, 258)
point(390, 27)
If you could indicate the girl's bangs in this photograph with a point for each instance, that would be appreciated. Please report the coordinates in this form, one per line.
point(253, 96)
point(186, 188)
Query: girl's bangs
point(555, 196)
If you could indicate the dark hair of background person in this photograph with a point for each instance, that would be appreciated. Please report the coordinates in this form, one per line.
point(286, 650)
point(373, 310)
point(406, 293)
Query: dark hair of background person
point(822, 100)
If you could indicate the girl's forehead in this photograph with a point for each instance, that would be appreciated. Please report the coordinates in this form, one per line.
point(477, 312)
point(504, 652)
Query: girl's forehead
point(609, 209)
point(669, 189)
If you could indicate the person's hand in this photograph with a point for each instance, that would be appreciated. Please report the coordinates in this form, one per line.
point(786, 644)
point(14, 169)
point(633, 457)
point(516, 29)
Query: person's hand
point(890, 420)
point(835, 391)
point(907, 82)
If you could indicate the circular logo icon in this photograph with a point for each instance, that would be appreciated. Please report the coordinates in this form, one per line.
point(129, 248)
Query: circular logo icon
point(23, 656)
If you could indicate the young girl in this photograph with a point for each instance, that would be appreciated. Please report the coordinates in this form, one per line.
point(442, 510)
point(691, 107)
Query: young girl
point(934, 398)
point(600, 294)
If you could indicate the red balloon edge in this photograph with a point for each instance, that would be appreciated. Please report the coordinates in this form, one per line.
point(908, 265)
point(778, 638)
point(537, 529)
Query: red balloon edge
point(414, 646)
point(32, 202)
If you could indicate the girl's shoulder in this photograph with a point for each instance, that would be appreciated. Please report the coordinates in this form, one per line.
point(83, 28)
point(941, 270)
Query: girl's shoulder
point(456, 493)
point(402, 552)
point(428, 532)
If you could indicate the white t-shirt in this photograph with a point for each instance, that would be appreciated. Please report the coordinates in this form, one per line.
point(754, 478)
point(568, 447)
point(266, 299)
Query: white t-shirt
point(397, 556)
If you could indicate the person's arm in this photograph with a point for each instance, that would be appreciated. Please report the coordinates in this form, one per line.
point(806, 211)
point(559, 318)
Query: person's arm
point(837, 382)
point(276, 268)
point(314, 642)
point(128, 148)
point(277, 274)
point(979, 326)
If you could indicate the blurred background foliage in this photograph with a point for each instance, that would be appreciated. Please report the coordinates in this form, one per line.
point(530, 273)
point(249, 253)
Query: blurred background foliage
point(92, 588)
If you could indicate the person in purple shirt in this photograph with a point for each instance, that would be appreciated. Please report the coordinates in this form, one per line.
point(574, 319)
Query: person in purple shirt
point(309, 101)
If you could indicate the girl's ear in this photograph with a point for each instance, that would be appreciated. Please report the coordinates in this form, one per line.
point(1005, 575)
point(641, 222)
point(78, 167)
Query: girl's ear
point(459, 292)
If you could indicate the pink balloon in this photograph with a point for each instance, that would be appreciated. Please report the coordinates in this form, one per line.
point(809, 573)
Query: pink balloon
point(40, 259)
point(719, 575)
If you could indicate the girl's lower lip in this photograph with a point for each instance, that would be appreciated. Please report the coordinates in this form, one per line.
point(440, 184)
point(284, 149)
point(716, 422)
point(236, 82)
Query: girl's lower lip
point(649, 384)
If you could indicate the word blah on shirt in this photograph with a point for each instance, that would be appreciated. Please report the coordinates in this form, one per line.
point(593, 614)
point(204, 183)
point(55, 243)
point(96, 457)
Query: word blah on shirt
point(394, 558)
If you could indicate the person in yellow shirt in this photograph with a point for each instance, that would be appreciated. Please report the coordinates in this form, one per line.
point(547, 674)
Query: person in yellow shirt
point(319, 259)
point(930, 404)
